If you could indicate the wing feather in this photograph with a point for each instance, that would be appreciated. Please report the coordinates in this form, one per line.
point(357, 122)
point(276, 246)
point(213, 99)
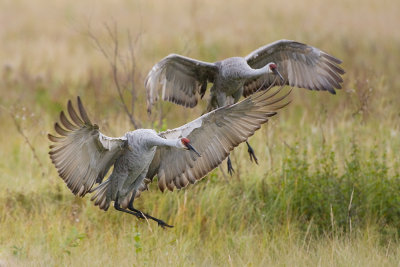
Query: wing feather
point(75, 118)
point(182, 80)
point(83, 113)
point(214, 135)
point(300, 65)
point(81, 154)
point(60, 130)
point(67, 124)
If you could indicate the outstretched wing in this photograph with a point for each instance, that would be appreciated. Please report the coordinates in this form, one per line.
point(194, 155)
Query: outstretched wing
point(301, 65)
point(182, 78)
point(213, 135)
point(82, 155)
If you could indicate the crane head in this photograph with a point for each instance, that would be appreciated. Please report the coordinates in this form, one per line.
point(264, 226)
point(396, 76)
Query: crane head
point(186, 145)
point(274, 69)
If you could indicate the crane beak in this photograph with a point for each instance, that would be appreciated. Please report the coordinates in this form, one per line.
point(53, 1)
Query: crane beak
point(276, 72)
point(190, 147)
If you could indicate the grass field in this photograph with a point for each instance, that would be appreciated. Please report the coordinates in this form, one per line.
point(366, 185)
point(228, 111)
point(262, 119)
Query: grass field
point(326, 191)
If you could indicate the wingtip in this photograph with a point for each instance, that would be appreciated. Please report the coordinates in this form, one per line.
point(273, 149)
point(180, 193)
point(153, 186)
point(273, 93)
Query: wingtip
point(79, 120)
point(83, 112)
point(54, 139)
point(79, 101)
point(61, 131)
point(332, 91)
point(332, 58)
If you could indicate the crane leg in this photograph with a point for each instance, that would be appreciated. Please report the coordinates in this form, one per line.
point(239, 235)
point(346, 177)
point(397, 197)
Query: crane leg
point(230, 168)
point(140, 214)
point(118, 207)
point(145, 215)
point(251, 153)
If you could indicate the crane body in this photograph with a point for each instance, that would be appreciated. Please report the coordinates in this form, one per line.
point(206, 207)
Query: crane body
point(83, 155)
point(283, 62)
point(183, 79)
point(233, 73)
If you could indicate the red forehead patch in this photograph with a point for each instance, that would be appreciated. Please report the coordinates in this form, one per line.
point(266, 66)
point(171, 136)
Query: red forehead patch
point(272, 66)
point(185, 141)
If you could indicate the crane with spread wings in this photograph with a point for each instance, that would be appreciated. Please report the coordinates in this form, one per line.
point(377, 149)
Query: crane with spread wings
point(284, 62)
point(83, 155)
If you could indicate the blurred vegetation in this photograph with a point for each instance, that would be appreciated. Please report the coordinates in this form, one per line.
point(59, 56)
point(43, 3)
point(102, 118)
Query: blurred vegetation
point(326, 191)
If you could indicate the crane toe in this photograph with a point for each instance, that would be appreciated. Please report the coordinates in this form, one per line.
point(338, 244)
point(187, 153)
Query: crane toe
point(230, 168)
point(251, 153)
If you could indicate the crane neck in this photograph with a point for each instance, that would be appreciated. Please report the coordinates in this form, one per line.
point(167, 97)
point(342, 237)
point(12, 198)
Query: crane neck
point(255, 73)
point(159, 141)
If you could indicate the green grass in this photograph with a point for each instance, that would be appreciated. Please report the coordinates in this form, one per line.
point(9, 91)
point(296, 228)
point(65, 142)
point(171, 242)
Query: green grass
point(326, 191)
point(295, 214)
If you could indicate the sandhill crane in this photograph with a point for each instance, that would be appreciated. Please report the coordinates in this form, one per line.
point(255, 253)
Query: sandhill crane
point(83, 155)
point(183, 79)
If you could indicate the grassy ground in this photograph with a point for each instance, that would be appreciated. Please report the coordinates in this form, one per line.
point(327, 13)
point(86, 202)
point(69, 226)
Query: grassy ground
point(325, 192)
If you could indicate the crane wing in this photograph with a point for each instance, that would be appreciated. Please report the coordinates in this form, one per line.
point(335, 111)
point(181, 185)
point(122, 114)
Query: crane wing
point(301, 65)
point(81, 154)
point(182, 78)
point(214, 135)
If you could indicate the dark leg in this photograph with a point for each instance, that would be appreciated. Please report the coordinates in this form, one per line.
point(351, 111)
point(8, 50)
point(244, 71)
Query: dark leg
point(251, 153)
point(140, 214)
point(230, 168)
point(144, 215)
point(118, 207)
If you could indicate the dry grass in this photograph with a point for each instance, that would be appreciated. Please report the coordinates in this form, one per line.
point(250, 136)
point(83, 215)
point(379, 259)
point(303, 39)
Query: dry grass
point(47, 58)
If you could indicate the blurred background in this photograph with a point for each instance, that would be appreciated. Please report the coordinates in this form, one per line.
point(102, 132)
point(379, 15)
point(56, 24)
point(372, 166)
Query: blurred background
point(325, 192)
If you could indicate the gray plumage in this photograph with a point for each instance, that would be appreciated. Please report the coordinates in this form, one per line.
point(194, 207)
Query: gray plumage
point(83, 155)
point(184, 79)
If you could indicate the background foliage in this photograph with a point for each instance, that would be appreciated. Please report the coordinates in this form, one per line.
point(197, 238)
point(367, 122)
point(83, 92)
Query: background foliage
point(326, 191)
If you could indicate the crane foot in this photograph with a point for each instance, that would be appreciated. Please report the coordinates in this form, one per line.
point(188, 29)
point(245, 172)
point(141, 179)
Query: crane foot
point(251, 153)
point(141, 215)
point(230, 168)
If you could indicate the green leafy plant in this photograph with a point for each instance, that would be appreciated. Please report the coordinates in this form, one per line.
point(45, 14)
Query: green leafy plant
point(73, 240)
